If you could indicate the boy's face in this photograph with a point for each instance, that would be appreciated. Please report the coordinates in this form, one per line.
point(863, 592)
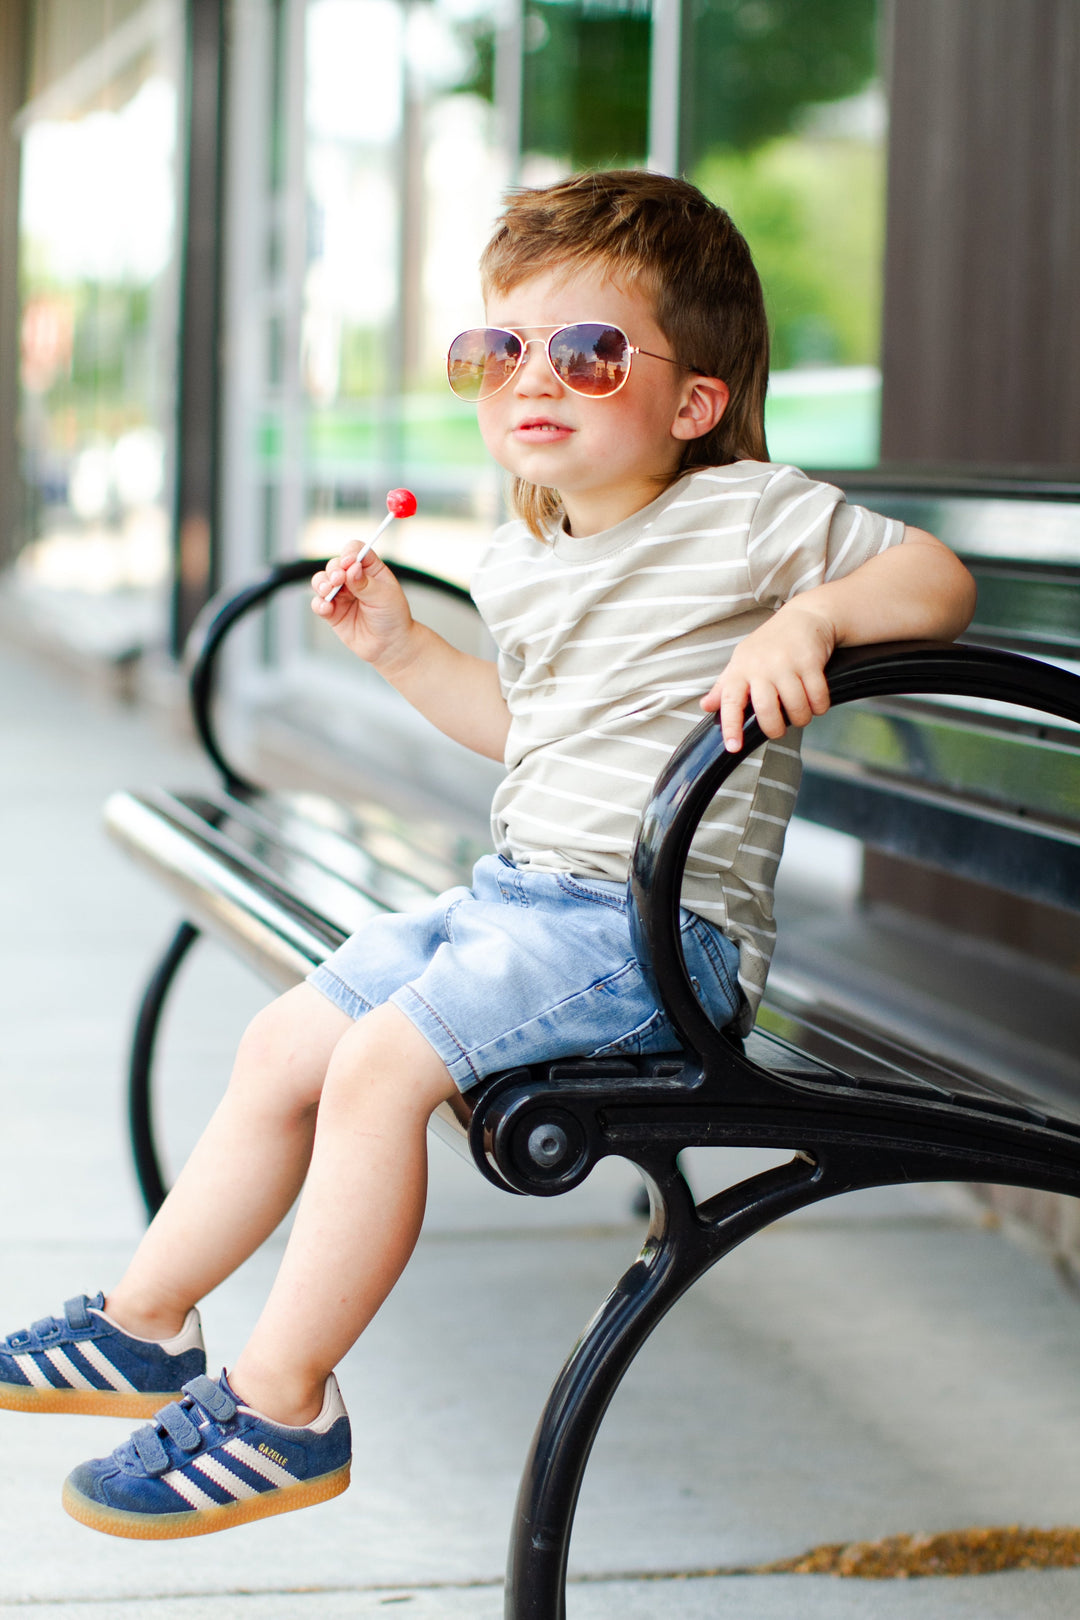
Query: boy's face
point(604, 456)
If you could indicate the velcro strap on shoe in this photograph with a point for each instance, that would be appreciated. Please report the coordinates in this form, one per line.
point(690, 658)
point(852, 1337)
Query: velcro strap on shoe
point(175, 1421)
point(78, 1316)
point(47, 1328)
point(149, 1449)
point(212, 1397)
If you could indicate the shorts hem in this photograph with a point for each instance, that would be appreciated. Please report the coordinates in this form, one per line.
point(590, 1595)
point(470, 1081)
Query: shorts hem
point(439, 1036)
point(343, 996)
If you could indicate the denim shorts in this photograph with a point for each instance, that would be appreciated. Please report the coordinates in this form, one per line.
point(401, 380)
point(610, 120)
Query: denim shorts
point(523, 967)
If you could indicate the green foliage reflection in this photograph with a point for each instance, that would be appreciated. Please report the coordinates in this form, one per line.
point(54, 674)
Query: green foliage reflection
point(754, 66)
point(812, 214)
point(586, 85)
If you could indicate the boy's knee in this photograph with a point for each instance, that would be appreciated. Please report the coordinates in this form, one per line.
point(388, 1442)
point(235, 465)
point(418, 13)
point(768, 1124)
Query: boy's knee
point(291, 1041)
point(384, 1055)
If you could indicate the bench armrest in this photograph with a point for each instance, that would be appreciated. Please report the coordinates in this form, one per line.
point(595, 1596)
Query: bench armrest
point(697, 769)
point(224, 612)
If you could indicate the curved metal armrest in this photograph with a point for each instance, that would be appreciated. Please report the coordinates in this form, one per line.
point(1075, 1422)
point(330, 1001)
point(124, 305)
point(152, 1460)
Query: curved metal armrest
point(218, 618)
point(701, 764)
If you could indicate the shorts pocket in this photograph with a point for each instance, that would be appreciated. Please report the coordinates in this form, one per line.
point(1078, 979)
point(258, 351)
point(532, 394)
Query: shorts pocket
point(608, 894)
point(654, 1035)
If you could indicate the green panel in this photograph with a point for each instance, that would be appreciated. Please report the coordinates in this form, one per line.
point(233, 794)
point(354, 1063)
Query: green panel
point(1025, 607)
point(1012, 765)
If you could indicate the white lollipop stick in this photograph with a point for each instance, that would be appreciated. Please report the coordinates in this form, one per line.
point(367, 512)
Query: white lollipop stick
point(401, 503)
point(362, 553)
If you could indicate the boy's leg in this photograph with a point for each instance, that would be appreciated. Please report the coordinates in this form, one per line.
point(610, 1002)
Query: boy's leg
point(275, 1435)
point(245, 1171)
point(358, 1218)
point(125, 1355)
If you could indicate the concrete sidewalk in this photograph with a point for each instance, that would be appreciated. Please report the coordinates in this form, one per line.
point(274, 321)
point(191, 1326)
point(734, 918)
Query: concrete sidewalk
point(885, 1364)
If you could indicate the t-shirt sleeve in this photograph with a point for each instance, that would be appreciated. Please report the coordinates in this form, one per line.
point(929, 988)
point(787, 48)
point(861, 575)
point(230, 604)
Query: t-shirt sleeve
point(804, 533)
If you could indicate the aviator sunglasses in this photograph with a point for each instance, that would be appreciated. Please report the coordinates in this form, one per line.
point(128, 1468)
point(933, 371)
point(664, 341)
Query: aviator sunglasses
point(589, 357)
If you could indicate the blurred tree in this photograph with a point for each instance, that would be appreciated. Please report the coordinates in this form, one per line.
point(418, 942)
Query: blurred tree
point(751, 67)
point(586, 84)
point(812, 212)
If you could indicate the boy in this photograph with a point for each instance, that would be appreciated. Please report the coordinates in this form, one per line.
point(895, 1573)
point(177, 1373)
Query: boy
point(657, 557)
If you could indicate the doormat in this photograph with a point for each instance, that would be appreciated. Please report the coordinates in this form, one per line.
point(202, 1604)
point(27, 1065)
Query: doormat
point(947, 1552)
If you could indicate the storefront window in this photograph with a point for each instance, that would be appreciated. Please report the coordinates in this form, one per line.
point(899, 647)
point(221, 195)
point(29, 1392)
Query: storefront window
point(585, 89)
point(97, 292)
point(783, 121)
point(402, 185)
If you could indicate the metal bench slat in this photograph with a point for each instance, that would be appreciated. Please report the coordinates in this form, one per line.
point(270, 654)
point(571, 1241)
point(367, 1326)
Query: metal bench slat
point(280, 855)
point(220, 895)
point(360, 842)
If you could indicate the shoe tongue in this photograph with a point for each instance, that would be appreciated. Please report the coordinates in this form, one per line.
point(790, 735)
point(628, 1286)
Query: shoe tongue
point(227, 1387)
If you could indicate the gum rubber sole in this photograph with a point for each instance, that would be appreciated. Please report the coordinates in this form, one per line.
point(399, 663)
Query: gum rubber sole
point(202, 1521)
point(89, 1402)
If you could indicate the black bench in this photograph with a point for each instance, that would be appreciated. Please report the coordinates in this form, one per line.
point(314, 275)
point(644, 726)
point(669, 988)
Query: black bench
point(284, 878)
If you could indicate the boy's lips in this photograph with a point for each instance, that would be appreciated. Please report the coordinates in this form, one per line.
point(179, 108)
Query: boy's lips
point(541, 430)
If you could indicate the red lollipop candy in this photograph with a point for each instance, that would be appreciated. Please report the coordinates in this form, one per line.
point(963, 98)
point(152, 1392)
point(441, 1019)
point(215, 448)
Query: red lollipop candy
point(400, 503)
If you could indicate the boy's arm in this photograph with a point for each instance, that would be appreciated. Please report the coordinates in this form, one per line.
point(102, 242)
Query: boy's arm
point(457, 692)
point(915, 591)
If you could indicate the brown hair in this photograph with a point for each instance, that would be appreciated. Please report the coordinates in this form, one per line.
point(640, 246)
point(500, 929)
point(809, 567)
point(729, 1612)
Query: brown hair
point(664, 236)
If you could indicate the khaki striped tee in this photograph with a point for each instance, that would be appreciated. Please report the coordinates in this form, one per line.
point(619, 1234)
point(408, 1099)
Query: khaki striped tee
point(606, 644)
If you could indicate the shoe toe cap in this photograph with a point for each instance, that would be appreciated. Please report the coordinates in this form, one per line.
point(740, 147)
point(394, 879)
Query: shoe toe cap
point(90, 1479)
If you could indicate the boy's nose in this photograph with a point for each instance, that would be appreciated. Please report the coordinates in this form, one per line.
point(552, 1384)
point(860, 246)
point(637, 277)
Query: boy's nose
point(535, 374)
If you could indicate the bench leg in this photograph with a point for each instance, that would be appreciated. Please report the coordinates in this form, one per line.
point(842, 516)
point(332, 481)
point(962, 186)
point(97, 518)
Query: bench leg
point(141, 1068)
point(683, 1242)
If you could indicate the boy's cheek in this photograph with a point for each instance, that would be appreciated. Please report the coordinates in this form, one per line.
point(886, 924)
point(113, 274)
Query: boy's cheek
point(492, 432)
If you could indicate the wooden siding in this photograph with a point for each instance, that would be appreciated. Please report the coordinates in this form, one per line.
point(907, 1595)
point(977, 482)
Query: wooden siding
point(981, 348)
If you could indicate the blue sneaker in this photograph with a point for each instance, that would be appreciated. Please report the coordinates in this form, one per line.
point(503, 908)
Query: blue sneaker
point(209, 1463)
point(82, 1362)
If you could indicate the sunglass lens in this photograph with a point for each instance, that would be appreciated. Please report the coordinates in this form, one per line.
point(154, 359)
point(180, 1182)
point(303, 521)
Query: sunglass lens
point(480, 361)
point(591, 358)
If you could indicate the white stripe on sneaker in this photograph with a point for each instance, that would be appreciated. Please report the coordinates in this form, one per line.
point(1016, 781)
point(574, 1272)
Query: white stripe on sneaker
point(32, 1372)
point(237, 1487)
point(259, 1463)
point(186, 1488)
point(101, 1363)
point(67, 1369)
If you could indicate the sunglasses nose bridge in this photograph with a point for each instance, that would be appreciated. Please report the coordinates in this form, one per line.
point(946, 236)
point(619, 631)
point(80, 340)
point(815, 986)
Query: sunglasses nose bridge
point(546, 372)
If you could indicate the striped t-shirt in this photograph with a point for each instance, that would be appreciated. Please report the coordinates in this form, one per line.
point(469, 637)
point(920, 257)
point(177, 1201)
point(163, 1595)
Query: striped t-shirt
point(606, 643)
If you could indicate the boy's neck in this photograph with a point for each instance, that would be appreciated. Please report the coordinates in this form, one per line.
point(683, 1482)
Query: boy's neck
point(586, 517)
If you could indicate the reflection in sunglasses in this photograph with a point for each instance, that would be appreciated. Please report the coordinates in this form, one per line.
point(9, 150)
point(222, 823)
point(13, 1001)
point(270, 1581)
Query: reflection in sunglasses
point(588, 357)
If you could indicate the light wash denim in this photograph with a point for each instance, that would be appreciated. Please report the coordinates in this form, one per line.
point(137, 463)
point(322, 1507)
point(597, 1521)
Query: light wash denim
point(522, 968)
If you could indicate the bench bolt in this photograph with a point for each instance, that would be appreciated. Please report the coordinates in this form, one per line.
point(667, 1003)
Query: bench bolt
point(547, 1145)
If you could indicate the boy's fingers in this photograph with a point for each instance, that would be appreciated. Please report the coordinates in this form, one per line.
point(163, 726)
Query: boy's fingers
point(817, 690)
point(794, 702)
point(732, 713)
point(768, 712)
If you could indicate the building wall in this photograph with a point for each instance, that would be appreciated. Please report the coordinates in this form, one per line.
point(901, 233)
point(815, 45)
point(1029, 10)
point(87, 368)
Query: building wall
point(12, 56)
point(982, 318)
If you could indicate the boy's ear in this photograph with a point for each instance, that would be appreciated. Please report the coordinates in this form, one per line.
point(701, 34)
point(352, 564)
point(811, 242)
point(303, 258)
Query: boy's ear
point(703, 405)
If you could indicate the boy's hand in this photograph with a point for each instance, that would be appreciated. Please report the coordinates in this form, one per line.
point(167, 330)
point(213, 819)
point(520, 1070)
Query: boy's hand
point(370, 612)
point(459, 692)
point(779, 671)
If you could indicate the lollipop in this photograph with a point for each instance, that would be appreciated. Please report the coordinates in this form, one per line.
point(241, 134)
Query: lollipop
point(400, 503)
